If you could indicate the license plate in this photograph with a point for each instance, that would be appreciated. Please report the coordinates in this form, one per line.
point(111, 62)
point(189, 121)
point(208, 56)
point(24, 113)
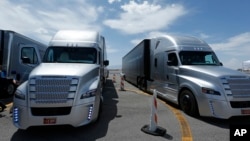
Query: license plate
point(49, 121)
point(245, 112)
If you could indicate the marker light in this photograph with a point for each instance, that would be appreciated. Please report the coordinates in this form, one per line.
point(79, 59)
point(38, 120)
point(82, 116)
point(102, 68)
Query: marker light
point(90, 112)
point(15, 115)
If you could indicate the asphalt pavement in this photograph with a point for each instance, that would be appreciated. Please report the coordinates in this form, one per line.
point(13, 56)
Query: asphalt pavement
point(123, 115)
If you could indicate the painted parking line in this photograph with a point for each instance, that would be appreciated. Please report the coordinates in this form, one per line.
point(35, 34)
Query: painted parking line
point(186, 132)
point(185, 129)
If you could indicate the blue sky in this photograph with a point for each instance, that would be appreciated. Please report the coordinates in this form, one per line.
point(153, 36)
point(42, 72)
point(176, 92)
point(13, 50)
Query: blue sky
point(223, 24)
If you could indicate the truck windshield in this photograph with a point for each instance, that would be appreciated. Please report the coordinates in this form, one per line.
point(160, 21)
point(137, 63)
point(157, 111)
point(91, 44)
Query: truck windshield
point(70, 55)
point(198, 58)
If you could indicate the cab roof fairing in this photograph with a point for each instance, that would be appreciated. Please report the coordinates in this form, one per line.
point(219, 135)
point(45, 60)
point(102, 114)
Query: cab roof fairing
point(74, 44)
point(184, 43)
point(76, 38)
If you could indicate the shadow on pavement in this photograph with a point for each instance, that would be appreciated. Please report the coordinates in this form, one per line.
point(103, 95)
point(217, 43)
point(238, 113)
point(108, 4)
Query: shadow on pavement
point(90, 132)
point(225, 123)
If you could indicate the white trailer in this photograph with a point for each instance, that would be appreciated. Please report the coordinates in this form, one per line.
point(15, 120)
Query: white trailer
point(66, 88)
point(18, 56)
point(186, 71)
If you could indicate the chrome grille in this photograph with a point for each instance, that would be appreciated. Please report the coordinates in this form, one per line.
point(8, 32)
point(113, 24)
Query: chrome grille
point(59, 82)
point(238, 87)
point(52, 89)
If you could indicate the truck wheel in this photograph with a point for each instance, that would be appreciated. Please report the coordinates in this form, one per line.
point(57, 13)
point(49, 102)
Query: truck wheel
point(144, 85)
point(139, 82)
point(2, 107)
point(103, 81)
point(188, 103)
point(10, 89)
point(99, 111)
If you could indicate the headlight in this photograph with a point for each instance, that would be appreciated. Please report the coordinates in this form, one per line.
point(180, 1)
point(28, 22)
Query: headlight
point(19, 95)
point(89, 93)
point(209, 91)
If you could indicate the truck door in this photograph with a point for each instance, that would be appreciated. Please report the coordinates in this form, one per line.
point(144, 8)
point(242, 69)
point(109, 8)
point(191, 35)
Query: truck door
point(171, 70)
point(28, 60)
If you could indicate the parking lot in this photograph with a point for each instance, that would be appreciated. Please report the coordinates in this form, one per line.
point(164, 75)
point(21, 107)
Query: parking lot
point(123, 115)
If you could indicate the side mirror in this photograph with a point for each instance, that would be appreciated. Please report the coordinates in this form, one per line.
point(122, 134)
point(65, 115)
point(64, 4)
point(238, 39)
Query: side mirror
point(170, 63)
point(221, 64)
point(106, 62)
point(26, 60)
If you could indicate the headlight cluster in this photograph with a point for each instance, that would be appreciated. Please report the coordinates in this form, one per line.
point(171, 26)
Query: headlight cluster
point(19, 95)
point(89, 93)
point(209, 91)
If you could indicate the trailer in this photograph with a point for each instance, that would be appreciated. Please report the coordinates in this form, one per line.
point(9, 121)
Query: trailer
point(66, 88)
point(186, 71)
point(136, 64)
point(18, 56)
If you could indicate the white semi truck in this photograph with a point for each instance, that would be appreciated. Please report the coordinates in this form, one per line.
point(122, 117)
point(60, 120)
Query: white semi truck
point(186, 71)
point(66, 88)
point(18, 56)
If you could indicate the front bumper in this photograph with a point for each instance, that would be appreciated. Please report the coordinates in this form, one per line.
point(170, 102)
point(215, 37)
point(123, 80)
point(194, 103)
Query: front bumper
point(78, 116)
point(221, 109)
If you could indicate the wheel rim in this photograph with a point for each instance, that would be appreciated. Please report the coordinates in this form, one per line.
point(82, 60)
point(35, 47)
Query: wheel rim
point(10, 89)
point(186, 103)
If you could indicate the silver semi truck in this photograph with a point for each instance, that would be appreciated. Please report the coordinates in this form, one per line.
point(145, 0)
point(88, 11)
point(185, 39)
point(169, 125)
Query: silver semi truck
point(66, 88)
point(186, 71)
point(18, 56)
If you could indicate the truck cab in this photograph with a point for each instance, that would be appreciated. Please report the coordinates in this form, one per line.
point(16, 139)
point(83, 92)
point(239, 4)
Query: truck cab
point(69, 81)
point(186, 71)
point(190, 75)
point(18, 56)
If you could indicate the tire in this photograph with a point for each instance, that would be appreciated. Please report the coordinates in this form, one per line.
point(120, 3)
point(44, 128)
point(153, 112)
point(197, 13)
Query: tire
point(188, 104)
point(139, 82)
point(103, 81)
point(2, 107)
point(99, 111)
point(10, 89)
point(144, 84)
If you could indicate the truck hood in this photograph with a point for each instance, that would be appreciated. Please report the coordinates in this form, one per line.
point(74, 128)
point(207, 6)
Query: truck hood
point(63, 69)
point(214, 71)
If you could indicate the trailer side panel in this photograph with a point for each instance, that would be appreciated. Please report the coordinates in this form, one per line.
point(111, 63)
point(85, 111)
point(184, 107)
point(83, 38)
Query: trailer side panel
point(136, 64)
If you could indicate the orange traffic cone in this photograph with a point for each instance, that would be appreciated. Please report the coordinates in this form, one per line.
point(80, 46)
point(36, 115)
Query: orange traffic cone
point(114, 78)
point(152, 128)
point(122, 83)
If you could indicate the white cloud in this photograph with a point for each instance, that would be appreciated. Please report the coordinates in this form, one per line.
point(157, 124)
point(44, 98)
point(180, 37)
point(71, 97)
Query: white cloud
point(111, 50)
point(112, 1)
point(155, 34)
point(233, 63)
point(204, 36)
point(144, 17)
point(43, 19)
point(135, 41)
point(234, 50)
point(150, 35)
point(238, 44)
